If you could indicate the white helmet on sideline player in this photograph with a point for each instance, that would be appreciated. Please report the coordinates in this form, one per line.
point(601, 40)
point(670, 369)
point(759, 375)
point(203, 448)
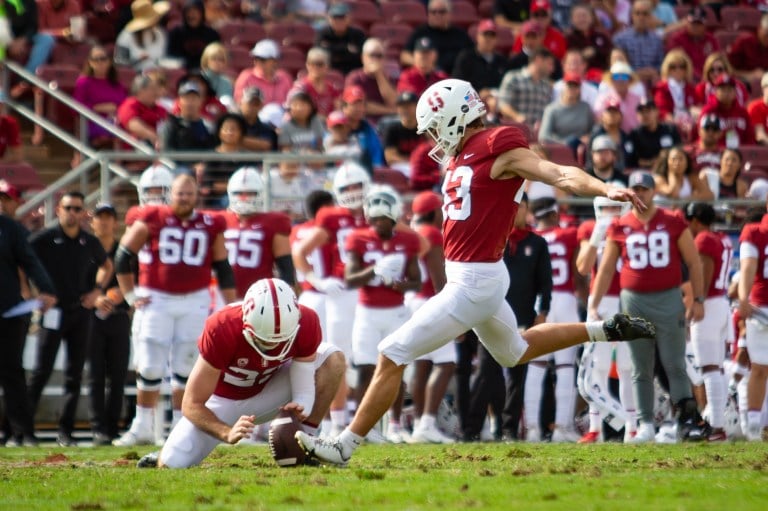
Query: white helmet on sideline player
point(155, 176)
point(348, 174)
point(270, 318)
point(444, 110)
point(383, 200)
point(245, 190)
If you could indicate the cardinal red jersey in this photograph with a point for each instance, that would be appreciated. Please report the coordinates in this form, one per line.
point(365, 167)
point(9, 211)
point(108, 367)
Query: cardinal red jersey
point(435, 239)
point(584, 233)
point(706, 158)
point(338, 222)
point(367, 244)
point(719, 248)
point(177, 256)
point(319, 259)
point(563, 244)
point(249, 245)
point(244, 372)
point(132, 214)
point(650, 258)
point(479, 211)
point(756, 235)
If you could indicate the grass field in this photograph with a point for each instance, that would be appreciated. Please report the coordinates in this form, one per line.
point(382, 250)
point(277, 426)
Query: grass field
point(731, 476)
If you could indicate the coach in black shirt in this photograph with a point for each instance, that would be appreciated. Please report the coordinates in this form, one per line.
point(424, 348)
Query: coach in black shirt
point(79, 267)
point(15, 253)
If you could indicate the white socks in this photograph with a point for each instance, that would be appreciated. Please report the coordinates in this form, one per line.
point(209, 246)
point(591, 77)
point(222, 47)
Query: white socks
point(427, 421)
point(714, 388)
point(339, 418)
point(595, 421)
point(349, 442)
point(565, 395)
point(176, 417)
point(595, 331)
point(532, 400)
point(144, 422)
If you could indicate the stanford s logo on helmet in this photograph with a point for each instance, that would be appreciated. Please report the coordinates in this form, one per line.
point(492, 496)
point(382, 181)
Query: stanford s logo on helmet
point(349, 174)
point(155, 185)
point(270, 318)
point(444, 111)
point(245, 191)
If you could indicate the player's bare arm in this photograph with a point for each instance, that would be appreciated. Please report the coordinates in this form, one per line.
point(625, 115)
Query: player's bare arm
point(435, 263)
point(130, 244)
point(223, 270)
point(200, 386)
point(356, 274)
point(525, 163)
point(690, 255)
point(604, 275)
point(587, 258)
point(747, 272)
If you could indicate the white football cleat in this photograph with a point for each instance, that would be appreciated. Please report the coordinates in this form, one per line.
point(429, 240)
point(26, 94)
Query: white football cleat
point(375, 437)
point(130, 439)
point(396, 435)
point(667, 434)
point(563, 435)
point(646, 433)
point(533, 435)
point(754, 432)
point(325, 450)
point(430, 435)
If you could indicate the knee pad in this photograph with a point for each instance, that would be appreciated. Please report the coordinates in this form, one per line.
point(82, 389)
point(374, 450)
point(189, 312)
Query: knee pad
point(147, 382)
point(179, 381)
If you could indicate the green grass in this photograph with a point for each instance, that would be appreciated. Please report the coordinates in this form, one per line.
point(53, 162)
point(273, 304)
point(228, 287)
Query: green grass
point(520, 477)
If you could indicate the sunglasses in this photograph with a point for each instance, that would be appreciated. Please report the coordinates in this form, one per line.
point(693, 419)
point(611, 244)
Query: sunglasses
point(438, 11)
point(74, 209)
point(319, 63)
point(376, 55)
point(672, 67)
point(642, 13)
point(620, 77)
point(489, 34)
point(100, 58)
point(717, 69)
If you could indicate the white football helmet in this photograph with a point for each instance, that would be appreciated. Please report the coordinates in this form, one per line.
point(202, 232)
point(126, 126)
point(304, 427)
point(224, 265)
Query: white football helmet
point(246, 180)
point(348, 174)
point(155, 176)
point(601, 203)
point(383, 200)
point(270, 318)
point(443, 111)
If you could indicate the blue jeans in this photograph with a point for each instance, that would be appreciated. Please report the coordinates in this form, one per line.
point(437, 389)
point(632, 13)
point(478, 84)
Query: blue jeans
point(42, 46)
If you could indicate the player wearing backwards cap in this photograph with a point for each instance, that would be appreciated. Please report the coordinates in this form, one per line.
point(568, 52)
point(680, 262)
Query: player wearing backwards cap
point(708, 149)
point(432, 371)
point(486, 170)
point(383, 264)
point(734, 119)
point(652, 245)
point(257, 357)
point(708, 336)
point(597, 357)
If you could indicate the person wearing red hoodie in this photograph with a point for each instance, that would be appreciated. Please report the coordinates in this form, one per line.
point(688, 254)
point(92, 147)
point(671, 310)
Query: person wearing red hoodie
point(734, 118)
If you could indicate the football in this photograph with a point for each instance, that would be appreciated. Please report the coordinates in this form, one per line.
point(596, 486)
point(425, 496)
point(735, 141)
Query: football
point(285, 450)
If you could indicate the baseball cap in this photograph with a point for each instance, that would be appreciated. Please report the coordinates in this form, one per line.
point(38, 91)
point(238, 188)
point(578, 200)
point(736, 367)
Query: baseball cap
point(266, 49)
point(701, 211)
point(540, 5)
point(621, 68)
point(724, 79)
point(487, 26)
point(423, 44)
point(697, 14)
point(252, 93)
point(603, 143)
point(353, 93)
point(645, 103)
point(338, 10)
point(613, 103)
point(425, 202)
point(336, 118)
point(407, 97)
point(105, 207)
point(189, 86)
point(571, 78)
point(530, 27)
point(710, 121)
point(543, 206)
point(8, 189)
point(643, 179)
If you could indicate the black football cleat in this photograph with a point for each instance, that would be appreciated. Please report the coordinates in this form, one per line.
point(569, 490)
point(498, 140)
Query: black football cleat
point(149, 460)
point(622, 327)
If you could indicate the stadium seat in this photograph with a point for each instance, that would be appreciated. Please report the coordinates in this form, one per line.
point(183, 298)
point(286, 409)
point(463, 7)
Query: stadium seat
point(739, 17)
point(725, 38)
point(22, 175)
point(485, 9)
point(295, 34)
point(712, 22)
point(74, 54)
point(394, 35)
point(392, 177)
point(409, 12)
point(125, 75)
point(241, 33)
point(61, 77)
point(363, 13)
point(560, 153)
point(463, 13)
point(505, 39)
point(292, 60)
point(754, 156)
point(239, 58)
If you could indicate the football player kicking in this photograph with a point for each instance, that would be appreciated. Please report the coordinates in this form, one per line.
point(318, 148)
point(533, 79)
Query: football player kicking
point(257, 357)
point(181, 248)
point(485, 172)
point(383, 263)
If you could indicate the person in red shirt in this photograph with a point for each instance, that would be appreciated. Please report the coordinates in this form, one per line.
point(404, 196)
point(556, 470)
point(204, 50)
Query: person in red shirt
point(758, 113)
point(694, 40)
point(53, 17)
point(10, 139)
point(486, 170)
point(749, 53)
point(179, 249)
point(383, 265)
point(257, 357)
point(423, 73)
point(554, 41)
point(709, 336)
point(734, 119)
point(652, 245)
point(706, 152)
point(324, 93)
point(139, 114)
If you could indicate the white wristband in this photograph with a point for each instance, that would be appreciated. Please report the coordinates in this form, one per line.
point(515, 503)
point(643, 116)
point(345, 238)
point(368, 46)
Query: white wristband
point(129, 297)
